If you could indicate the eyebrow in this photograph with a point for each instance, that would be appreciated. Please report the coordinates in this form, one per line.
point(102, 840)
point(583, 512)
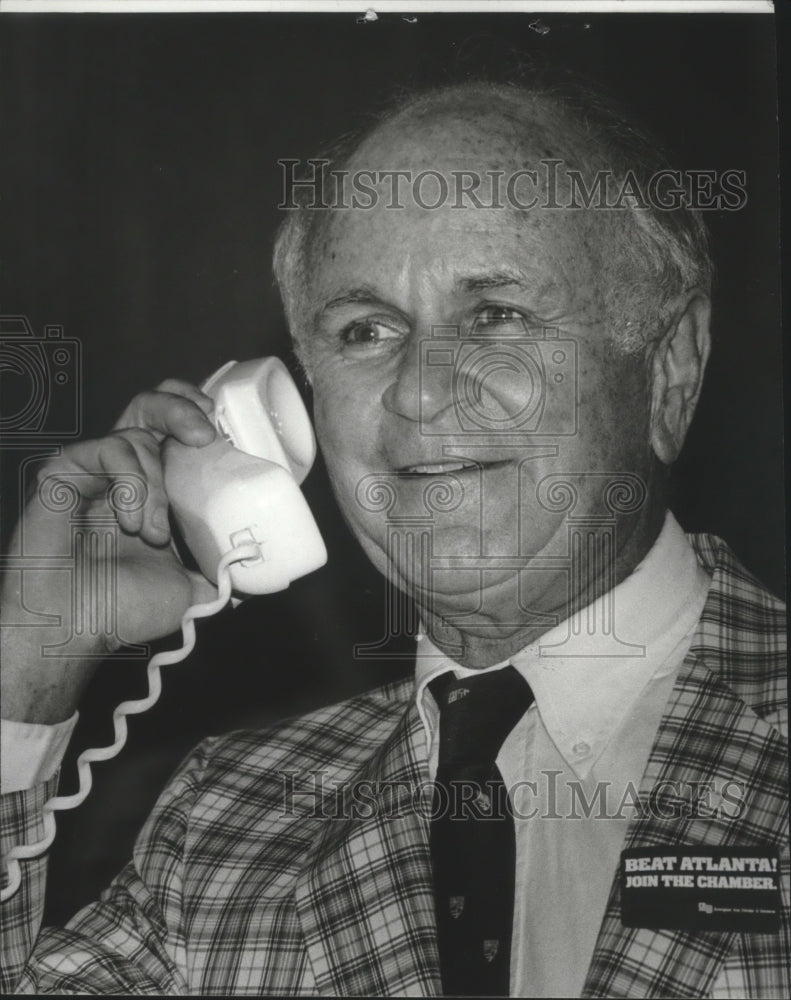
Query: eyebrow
point(365, 295)
point(495, 279)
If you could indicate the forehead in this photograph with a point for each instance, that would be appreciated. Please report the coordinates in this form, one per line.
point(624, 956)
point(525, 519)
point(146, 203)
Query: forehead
point(422, 224)
point(452, 252)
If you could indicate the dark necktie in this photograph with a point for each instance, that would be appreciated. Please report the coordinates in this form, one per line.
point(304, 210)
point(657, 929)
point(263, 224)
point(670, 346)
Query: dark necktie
point(473, 846)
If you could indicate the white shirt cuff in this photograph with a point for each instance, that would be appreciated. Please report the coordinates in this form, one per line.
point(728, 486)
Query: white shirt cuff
point(31, 752)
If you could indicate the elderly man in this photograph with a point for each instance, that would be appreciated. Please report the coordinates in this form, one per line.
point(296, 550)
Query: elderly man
point(505, 362)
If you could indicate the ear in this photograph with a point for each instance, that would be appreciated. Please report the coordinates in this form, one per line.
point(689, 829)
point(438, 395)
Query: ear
point(676, 369)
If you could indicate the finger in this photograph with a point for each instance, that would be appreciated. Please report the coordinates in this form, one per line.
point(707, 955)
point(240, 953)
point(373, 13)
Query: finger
point(166, 414)
point(178, 387)
point(77, 468)
point(108, 467)
point(91, 470)
point(130, 489)
point(155, 527)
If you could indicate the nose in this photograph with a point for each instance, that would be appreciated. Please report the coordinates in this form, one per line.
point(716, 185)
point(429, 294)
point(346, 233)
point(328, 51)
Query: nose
point(423, 387)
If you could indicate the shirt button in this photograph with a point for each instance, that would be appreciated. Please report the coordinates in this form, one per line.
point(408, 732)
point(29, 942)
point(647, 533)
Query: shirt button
point(581, 749)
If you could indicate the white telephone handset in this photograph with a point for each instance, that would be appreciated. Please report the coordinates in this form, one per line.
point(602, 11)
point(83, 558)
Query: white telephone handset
point(244, 518)
point(244, 487)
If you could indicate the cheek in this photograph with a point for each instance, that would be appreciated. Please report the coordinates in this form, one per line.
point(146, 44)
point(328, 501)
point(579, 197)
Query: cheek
point(614, 410)
point(346, 421)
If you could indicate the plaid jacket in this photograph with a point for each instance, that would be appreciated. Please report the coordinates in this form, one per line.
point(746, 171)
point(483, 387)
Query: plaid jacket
point(248, 879)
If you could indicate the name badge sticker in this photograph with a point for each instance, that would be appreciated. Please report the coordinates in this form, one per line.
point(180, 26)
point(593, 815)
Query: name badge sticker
point(701, 889)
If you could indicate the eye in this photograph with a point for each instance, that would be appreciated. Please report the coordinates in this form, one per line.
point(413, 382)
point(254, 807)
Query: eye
point(364, 336)
point(491, 317)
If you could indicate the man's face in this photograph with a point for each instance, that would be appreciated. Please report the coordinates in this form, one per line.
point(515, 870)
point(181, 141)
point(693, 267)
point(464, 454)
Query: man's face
point(462, 425)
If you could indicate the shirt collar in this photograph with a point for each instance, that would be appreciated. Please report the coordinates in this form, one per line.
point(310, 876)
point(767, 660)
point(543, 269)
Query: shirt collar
point(584, 688)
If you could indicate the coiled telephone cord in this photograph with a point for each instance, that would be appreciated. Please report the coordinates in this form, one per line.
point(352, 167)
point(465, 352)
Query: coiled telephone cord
point(23, 852)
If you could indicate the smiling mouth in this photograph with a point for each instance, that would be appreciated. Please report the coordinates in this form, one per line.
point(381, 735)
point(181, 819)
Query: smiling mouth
point(442, 468)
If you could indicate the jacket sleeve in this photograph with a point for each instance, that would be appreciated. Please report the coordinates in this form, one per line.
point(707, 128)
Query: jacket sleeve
point(131, 940)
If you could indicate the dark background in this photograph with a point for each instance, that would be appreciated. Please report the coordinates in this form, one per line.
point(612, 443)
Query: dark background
point(140, 183)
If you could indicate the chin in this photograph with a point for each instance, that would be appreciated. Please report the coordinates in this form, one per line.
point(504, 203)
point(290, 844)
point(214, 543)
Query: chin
point(458, 591)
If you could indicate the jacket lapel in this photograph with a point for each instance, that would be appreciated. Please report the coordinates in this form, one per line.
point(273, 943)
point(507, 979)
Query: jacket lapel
point(365, 897)
point(707, 734)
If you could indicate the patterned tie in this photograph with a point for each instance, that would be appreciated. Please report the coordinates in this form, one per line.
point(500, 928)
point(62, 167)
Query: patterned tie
point(473, 847)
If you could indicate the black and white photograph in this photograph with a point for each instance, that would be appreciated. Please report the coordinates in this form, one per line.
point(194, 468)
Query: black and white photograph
point(392, 555)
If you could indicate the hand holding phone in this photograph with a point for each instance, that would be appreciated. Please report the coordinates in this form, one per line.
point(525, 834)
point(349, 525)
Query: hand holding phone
point(238, 503)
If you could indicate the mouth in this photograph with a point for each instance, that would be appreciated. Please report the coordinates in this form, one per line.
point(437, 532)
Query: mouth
point(442, 468)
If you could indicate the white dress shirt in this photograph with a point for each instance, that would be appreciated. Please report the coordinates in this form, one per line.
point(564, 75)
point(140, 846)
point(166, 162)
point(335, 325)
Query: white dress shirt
point(593, 721)
point(592, 725)
point(31, 752)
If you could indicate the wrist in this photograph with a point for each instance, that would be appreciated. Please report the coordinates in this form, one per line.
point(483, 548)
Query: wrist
point(37, 688)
